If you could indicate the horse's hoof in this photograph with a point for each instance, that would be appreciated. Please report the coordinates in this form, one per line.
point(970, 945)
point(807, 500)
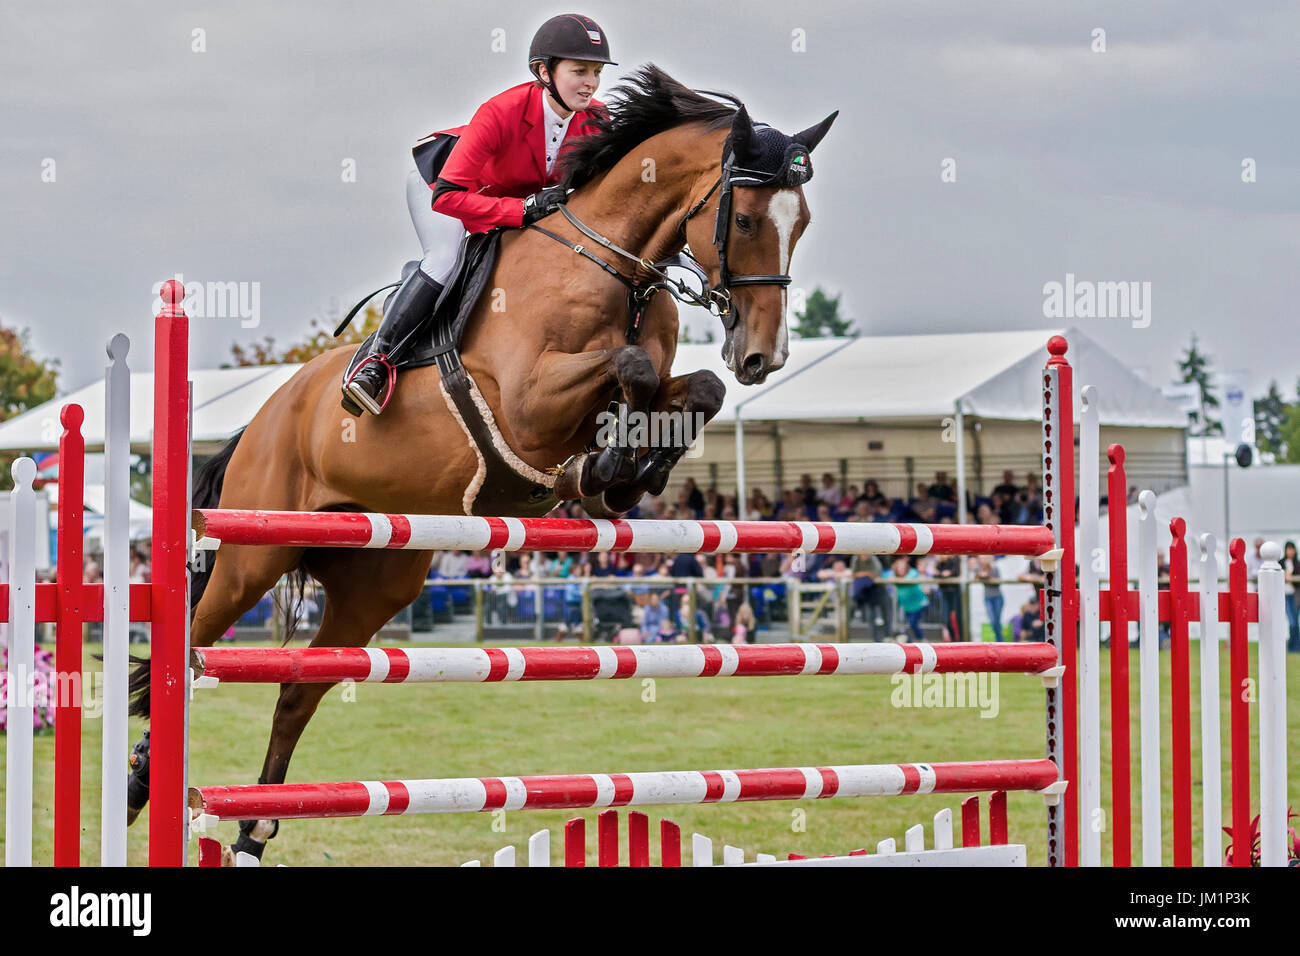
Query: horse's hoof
point(606, 466)
point(137, 782)
point(652, 476)
point(620, 499)
point(253, 835)
point(614, 465)
point(568, 486)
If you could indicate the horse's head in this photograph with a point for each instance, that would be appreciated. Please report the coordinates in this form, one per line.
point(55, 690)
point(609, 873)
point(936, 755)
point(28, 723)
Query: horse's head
point(760, 213)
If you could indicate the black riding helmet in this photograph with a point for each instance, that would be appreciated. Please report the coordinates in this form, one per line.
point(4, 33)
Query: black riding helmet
point(570, 36)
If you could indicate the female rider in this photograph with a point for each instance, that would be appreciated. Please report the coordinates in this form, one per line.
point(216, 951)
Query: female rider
point(497, 171)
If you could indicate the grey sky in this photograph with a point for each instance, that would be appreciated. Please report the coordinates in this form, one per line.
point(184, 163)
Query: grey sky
point(226, 165)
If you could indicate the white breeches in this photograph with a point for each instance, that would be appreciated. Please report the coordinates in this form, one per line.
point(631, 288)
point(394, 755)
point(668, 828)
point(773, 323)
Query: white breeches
point(440, 235)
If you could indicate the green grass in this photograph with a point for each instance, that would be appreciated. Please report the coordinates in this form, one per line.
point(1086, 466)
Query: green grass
point(418, 731)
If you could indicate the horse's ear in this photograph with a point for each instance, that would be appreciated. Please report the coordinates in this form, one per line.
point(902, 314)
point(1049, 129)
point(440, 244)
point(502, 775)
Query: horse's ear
point(744, 142)
point(813, 134)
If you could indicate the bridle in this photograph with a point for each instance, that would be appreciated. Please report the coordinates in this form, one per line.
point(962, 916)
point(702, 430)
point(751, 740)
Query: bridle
point(715, 298)
point(722, 232)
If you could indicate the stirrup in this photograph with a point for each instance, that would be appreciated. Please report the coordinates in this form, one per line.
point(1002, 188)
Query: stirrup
point(360, 395)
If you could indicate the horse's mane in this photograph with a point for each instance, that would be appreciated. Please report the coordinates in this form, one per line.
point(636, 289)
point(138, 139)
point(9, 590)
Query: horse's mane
point(647, 102)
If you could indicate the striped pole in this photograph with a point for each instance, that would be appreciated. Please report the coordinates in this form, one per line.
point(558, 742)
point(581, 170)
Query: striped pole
point(304, 801)
point(311, 665)
point(452, 532)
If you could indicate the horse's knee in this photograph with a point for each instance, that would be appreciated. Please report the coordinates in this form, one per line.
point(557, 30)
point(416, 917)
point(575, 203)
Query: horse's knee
point(635, 371)
point(705, 393)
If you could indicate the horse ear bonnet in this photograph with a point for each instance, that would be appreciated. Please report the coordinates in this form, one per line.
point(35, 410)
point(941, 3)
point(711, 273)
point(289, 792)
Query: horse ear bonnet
point(771, 158)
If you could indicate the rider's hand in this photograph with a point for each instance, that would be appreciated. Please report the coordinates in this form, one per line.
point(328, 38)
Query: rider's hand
point(541, 204)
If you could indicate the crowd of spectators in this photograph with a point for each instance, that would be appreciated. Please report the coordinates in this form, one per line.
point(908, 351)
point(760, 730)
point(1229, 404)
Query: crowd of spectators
point(930, 503)
point(734, 608)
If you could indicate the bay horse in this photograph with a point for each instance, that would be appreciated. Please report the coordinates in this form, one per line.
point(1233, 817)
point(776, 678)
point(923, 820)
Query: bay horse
point(546, 346)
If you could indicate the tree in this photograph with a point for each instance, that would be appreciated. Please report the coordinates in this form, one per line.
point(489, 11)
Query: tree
point(25, 382)
point(821, 317)
point(1195, 368)
point(1290, 433)
point(1270, 415)
point(320, 340)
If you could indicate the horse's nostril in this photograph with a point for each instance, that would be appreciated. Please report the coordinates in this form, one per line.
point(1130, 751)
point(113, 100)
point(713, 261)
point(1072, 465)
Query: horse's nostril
point(754, 363)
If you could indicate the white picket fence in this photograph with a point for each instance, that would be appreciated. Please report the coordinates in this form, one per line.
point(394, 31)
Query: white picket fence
point(941, 852)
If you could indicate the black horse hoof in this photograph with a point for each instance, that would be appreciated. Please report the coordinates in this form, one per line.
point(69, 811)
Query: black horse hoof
point(253, 835)
point(613, 464)
point(137, 783)
point(652, 476)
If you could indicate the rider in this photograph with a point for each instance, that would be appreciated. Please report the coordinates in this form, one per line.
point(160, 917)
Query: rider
point(501, 171)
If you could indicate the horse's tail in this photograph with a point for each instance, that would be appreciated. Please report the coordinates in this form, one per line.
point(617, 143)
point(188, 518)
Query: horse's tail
point(207, 494)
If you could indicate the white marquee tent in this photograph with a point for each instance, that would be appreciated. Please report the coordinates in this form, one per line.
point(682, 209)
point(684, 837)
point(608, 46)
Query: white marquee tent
point(875, 406)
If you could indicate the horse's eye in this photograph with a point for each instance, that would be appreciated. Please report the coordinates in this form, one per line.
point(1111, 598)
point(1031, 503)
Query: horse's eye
point(744, 222)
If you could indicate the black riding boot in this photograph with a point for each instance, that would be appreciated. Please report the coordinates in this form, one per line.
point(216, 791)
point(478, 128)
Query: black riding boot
point(372, 371)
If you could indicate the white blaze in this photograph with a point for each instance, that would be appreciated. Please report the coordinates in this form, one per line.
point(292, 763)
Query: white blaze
point(784, 210)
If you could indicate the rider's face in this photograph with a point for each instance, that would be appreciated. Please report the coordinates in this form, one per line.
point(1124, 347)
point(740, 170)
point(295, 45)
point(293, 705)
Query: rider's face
point(577, 81)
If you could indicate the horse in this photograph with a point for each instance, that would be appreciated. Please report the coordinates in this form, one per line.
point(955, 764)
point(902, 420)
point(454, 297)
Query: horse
point(547, 347)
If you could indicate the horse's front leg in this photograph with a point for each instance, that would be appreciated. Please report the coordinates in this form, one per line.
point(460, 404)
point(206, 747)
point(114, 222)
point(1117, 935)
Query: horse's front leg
point(560, 396)
point(685, 404)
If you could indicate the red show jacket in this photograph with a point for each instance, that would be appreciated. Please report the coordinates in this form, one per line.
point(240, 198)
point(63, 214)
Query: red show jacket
point(500, 158)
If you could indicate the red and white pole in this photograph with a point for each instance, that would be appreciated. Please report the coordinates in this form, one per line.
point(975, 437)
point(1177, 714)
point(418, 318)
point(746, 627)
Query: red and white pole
point(459, 532)
point(306, 801)
point(315, 665)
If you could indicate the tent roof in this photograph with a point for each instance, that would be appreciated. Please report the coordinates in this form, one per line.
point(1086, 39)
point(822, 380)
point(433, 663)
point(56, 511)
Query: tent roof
point(225, 399)
point(889, 378)
point(902, 378)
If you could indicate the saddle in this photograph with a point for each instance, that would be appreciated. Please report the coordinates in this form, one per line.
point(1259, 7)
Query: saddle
point(503, 483)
